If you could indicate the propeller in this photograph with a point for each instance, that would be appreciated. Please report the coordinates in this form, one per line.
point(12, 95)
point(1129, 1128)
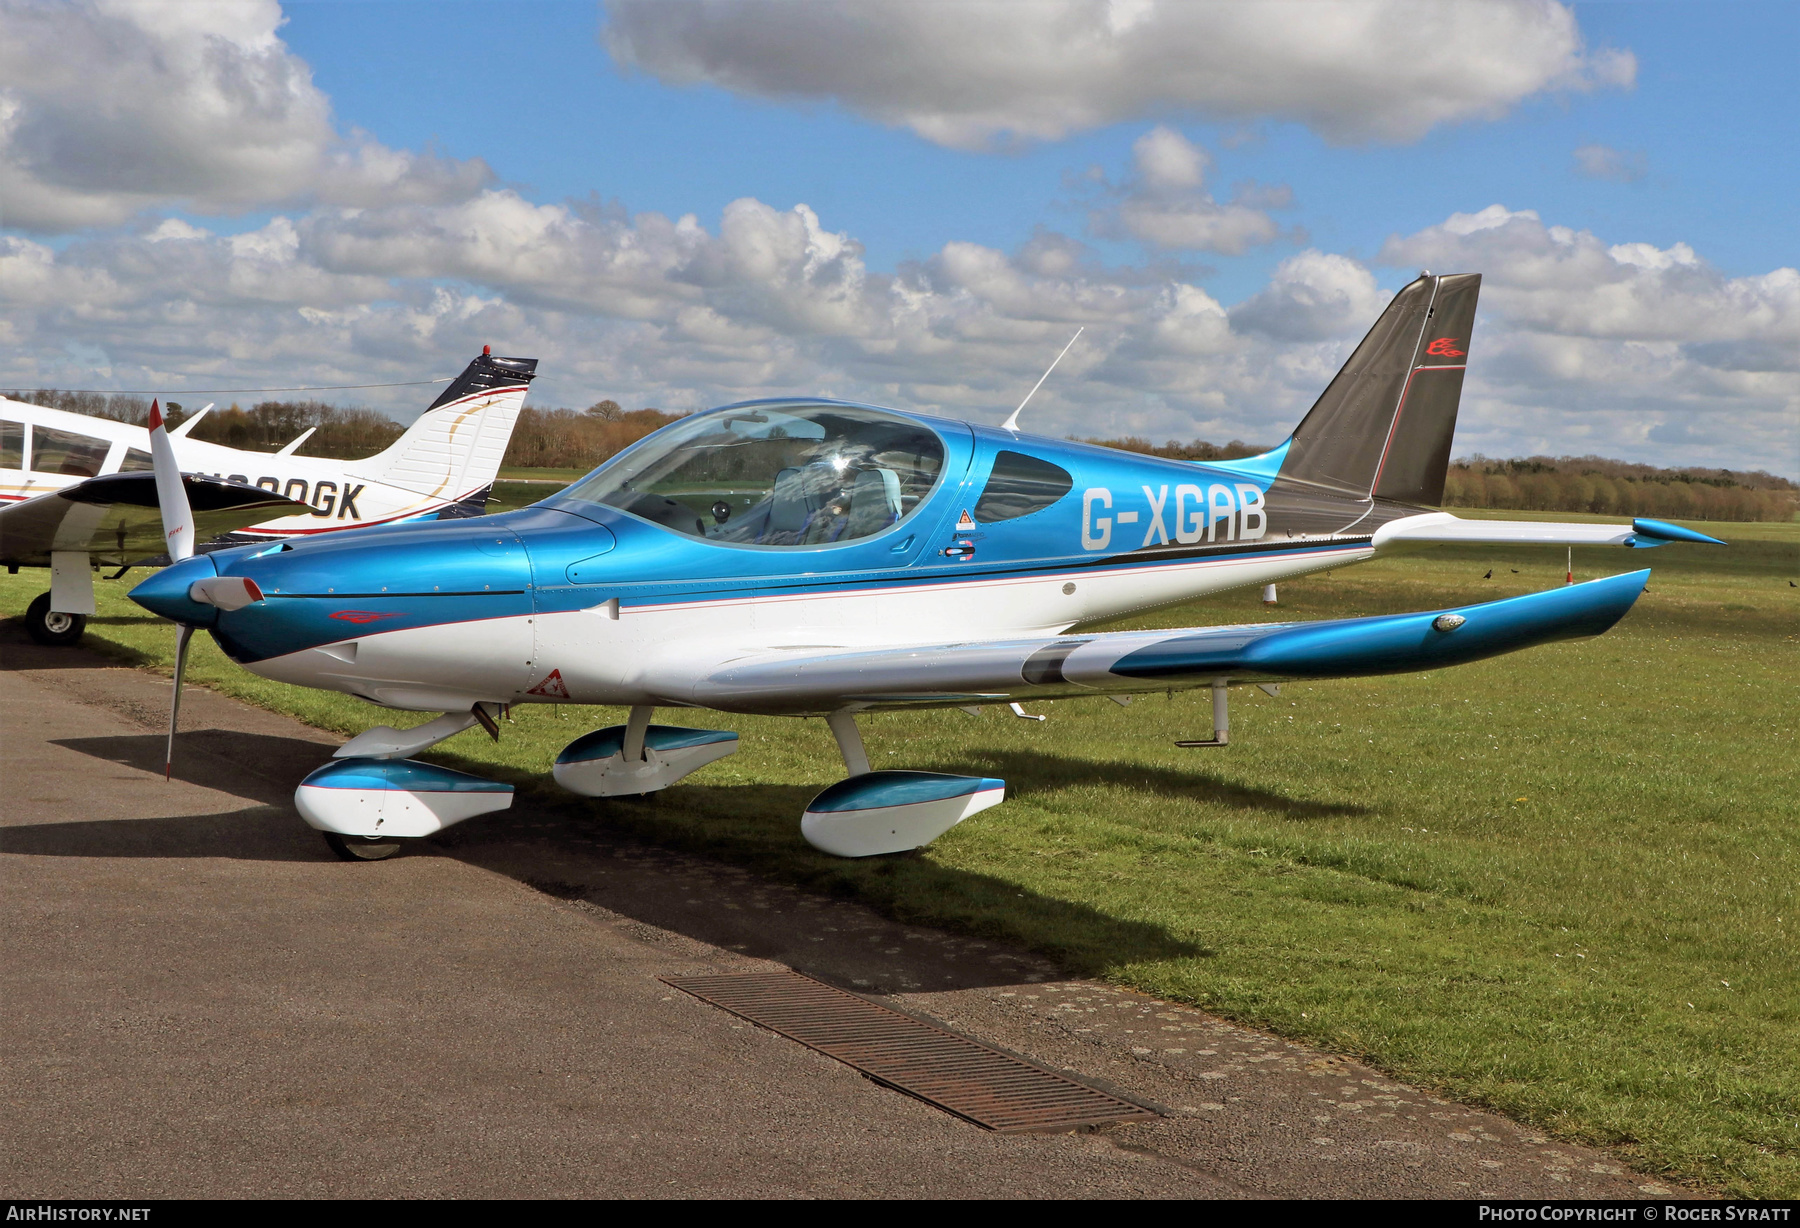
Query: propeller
point(184, 632)
point(178, 532)
point(171, 495)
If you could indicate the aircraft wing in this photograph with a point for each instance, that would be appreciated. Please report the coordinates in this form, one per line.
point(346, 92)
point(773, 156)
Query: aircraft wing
point(960, 674)
point(115, 518)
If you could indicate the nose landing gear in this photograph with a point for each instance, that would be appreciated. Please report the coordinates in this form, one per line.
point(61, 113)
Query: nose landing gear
point(52, 628)
point(370, 803)
point(362, 848)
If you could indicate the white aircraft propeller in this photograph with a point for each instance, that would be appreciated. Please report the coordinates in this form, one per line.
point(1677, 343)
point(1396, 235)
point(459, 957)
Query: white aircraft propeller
point(184, 632)
point(171, 496)
point(178, 532)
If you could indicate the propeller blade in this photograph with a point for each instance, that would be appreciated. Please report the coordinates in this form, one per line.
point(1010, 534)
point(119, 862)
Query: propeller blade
point(171, 495)
point(182, 637)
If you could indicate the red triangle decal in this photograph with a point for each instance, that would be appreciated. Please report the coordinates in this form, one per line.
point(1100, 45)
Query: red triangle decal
point(551, 687)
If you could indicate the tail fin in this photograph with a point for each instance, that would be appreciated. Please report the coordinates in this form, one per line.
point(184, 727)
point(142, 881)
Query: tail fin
point(453, 450)
point(1382, 428)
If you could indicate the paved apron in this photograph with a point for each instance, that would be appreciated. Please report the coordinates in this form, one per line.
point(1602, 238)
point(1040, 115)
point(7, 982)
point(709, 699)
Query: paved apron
point(197, 1000)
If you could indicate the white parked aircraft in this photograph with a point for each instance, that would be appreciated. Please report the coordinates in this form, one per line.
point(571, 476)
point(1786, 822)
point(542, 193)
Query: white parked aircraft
point(68, 500)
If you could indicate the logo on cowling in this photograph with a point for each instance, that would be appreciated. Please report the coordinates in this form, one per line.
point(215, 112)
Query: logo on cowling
point(1445, 347)
point(361, 616)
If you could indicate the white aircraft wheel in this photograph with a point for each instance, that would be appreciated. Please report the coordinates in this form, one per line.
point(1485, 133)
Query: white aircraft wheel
point(363, 848)
point(50, 627)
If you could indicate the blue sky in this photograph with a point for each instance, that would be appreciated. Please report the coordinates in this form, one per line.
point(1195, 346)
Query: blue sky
point(463, 169)
point(1715, 112)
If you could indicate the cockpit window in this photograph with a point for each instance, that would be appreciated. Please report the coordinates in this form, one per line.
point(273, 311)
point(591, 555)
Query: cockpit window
point(65, 452)
point(1019, 486)
point(763, 475)
point(12, 445)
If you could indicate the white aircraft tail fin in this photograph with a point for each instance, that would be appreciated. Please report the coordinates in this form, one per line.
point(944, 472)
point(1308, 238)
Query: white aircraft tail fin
point(453, 450)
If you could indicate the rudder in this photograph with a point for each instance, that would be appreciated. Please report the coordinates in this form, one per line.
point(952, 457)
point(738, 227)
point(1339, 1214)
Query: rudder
point(1383, 426)
point(454, 449)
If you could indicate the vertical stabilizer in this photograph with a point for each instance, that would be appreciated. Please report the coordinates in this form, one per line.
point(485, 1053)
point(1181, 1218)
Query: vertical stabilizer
point(1382, 428)
point(453, 451)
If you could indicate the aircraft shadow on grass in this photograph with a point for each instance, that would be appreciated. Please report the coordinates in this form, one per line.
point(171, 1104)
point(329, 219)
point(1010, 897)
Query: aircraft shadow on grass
point(1033, 772)
point(556, 848)
point(560, 848)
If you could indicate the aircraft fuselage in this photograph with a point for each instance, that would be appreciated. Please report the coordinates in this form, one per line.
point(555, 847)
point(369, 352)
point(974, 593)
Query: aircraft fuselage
point(578, 601)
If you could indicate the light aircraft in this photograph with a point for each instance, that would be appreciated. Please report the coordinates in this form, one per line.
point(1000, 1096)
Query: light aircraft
point(76, 493)
point(810, 557)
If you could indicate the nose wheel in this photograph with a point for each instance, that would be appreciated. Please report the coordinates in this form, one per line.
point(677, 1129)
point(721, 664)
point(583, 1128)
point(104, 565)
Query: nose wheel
point(52, 627)
point(363, 848)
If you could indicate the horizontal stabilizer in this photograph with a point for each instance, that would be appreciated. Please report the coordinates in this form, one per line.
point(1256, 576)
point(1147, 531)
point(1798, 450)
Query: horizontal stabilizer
point(1441, 528)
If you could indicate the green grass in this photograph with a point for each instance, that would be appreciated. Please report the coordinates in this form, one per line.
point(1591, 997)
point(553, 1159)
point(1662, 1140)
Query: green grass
point(1560, 883)
point(524, 473)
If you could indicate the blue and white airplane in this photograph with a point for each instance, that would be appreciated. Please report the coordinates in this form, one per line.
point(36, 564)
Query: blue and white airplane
point(814, 557)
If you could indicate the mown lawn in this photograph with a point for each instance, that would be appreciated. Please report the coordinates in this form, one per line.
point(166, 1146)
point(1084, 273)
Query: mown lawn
point(1561, 883)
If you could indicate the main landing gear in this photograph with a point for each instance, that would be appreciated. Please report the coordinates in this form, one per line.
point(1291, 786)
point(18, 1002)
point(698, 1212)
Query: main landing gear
point(871, 813)
point(637, 757)
point(52, 628)
point(867, 814)
point(370, 802)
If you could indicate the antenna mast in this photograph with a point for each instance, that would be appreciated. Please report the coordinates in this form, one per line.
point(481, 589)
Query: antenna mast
point(1012, 423)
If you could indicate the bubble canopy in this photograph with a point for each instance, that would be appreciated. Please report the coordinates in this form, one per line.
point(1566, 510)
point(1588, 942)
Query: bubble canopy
point(782, 474)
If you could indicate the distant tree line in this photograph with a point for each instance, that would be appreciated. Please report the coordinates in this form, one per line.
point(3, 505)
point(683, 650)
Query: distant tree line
point(579, 439)
point(543, 438)
point(345, 432)
point(117, 406)
point(1619, 488)
point(1567, 484)
point(1198, 450)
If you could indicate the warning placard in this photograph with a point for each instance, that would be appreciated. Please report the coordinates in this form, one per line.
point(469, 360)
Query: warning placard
point(551, 687)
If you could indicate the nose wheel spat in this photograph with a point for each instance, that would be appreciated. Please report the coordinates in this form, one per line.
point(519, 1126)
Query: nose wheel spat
point(367, 808)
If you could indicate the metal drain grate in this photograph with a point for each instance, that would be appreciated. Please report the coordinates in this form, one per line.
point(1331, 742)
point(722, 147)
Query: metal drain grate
point(962, 1076)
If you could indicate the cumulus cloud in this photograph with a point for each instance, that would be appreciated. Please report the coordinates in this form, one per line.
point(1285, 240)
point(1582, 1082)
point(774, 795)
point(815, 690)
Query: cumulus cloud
point(1312, 296)
point(972, 73)
point(199, 105)
point(1583, 345)
point(1620, 348)
point(1166, 204)
point(1616, 165)
point(645, 308)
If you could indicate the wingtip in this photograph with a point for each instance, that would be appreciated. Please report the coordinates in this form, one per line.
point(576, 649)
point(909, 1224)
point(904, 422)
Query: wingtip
point(1667, 532)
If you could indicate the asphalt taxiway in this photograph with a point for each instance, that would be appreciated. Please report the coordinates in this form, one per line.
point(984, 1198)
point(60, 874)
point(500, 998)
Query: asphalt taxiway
point(197, 1000)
